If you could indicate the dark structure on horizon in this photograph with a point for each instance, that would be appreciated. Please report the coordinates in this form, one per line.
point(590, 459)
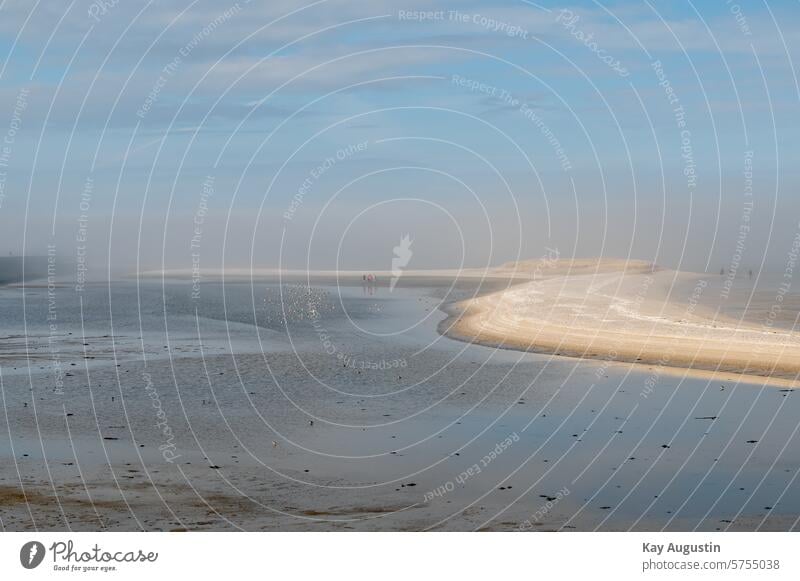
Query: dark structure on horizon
point(13, 267)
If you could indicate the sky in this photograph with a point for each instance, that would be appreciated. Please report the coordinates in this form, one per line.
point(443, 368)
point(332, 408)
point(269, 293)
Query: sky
point(142, 135)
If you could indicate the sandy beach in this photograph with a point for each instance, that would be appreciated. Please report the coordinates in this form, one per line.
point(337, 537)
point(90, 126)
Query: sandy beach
point(634, 312)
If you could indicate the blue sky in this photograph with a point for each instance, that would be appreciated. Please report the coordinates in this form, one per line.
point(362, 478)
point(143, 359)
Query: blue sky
point(490, 133)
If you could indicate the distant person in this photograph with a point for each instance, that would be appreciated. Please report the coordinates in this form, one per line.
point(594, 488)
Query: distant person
point(750, 272)
point(722, 272)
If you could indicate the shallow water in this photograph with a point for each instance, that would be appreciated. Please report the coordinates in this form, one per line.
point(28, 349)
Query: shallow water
point(407, 424)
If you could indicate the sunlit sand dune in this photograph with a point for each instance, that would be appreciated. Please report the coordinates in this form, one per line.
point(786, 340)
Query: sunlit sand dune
point(626, 311)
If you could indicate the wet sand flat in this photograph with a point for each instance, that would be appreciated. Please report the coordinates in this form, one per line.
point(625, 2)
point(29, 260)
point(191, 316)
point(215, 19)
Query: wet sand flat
point(411, 430)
